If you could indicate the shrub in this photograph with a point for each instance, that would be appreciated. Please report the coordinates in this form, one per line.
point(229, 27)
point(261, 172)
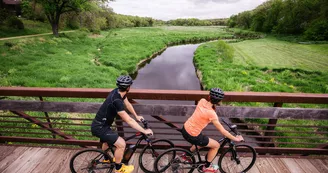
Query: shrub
point(318, 31)
point(14, 22)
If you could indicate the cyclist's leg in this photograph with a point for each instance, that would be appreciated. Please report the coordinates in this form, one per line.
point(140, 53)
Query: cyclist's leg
point(120, 147)
point(193, 148)
point(119, 152)
point(214, 147)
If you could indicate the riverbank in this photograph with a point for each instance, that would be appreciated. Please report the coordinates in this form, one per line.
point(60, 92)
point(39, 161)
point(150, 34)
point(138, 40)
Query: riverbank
point(77, 60)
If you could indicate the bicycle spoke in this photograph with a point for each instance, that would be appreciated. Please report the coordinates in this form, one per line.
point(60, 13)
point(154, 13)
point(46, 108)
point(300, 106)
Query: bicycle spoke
point(243, 161)
point(90, 162)
point(175, 161)
point(150, 153)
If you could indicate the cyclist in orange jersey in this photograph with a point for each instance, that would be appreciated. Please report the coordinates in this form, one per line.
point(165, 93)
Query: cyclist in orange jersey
point(202, 116)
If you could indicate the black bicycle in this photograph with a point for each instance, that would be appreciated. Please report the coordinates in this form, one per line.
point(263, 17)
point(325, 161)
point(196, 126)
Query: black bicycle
point(236, 158)
point(92, 160)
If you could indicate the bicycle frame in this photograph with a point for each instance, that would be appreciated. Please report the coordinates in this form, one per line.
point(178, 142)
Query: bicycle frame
point(223, 141)
point(143, 137)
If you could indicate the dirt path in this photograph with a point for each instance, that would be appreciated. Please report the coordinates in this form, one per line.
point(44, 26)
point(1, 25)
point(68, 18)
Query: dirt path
point(27, 36)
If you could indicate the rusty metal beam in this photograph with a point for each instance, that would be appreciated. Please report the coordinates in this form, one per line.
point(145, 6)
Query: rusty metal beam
point(41, 124)
point(165, 121)
point(192, 95)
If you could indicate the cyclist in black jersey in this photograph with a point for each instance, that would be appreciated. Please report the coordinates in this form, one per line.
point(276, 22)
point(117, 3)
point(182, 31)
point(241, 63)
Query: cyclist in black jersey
point(113, 106)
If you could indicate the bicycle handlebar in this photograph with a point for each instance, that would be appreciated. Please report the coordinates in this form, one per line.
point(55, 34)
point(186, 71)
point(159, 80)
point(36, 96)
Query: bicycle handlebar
point(232, 127)
point(145, 123)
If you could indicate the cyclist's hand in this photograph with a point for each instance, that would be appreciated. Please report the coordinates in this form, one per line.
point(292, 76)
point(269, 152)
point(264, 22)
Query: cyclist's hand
point(239, 138)
point(148, 132)
point(139, 118)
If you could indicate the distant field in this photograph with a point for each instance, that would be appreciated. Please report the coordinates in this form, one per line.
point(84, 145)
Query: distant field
point(273, 53)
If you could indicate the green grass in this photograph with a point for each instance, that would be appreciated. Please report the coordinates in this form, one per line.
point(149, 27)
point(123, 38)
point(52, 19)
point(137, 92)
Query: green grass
point(260, 72)
point(30, 27)
point(87, 61)
point(268, 65)
point(273, 53)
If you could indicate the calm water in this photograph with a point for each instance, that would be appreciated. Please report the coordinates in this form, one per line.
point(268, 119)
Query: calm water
point(173, 69)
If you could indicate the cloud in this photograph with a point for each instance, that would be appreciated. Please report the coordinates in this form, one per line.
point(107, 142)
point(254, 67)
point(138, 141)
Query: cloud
point(215, 1)
point(167, 10)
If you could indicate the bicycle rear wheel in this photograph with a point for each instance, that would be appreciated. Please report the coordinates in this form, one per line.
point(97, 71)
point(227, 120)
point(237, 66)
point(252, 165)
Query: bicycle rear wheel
point(150, 152)
point(175, 160)
point(90, 161)
point(238, 159)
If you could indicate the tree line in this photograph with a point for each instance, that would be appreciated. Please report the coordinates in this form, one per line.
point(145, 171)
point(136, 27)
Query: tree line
point(93, 15)
point(308, 18)
point(197, 22)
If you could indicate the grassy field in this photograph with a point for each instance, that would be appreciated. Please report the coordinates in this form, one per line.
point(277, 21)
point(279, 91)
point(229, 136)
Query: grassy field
point(268, 65)
point(88, 61)
point(30, 27)
point(245, 66)
point(273, 53)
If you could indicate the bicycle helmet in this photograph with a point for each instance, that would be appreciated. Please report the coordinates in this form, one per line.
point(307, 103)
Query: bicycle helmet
point(216, 95)
point(123, 82)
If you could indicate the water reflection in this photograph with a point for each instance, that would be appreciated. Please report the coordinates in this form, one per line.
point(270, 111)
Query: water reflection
point(173, 69)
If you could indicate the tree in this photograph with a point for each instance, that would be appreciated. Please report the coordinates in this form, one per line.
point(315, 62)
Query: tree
point(55, 8)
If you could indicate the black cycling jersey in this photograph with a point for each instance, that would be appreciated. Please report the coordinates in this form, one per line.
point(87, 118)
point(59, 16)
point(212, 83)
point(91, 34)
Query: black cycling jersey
point(108, 110)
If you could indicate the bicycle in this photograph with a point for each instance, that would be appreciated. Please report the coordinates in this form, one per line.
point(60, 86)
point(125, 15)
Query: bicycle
point(237, 158)
point(91, 160)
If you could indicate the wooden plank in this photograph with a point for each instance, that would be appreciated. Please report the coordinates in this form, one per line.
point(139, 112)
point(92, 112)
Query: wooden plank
point(6, 151)
point(18, 164)
point(254, 169)
point(319, 164)
point(33, 160)
point(263, 165)
point(62, 160)
point(135, 162)
point(12, 157)
point(46, 161)
point(277, 165)
point(65, 162)
point(167, 94)
point(174, 110)
point(306, 165)
point(292, 165)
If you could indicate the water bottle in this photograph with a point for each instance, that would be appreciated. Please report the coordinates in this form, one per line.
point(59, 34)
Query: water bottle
point(128, 152)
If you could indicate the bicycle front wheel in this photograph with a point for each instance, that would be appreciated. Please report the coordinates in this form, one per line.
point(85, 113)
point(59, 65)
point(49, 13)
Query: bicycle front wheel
point(238, 159)
point(90, 161)
point(175, 160)
point(150, 152)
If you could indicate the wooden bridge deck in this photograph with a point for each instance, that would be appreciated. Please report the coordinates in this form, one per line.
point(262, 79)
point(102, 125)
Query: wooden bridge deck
point(54, 160)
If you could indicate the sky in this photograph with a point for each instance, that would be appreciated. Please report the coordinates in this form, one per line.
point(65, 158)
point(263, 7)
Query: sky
point(173, 9)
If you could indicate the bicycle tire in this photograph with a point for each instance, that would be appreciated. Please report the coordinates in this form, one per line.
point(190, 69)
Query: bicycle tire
point(150, 152)
point(88, 161)
point(171, 161)
point(246, 156)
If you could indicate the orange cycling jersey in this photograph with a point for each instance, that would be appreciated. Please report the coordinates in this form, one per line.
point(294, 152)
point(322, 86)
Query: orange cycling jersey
point(203, 115)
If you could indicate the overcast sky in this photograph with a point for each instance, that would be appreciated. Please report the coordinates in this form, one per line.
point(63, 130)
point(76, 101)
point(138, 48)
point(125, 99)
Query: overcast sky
point(173, 9)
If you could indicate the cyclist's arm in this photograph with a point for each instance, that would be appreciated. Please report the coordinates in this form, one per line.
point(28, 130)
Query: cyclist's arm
point(129, 106)
point(126, 117)
point(224, 132)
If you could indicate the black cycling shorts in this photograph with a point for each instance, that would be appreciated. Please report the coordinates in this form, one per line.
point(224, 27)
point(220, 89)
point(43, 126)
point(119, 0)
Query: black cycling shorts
point(106, 134)
point(199, 140)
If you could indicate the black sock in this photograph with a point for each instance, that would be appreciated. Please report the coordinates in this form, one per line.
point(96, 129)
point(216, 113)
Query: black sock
point(118, 166)
point(106, 157)
point(207, 164)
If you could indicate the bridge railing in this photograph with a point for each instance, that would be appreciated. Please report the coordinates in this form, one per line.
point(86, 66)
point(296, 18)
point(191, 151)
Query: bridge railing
point(298, 131)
